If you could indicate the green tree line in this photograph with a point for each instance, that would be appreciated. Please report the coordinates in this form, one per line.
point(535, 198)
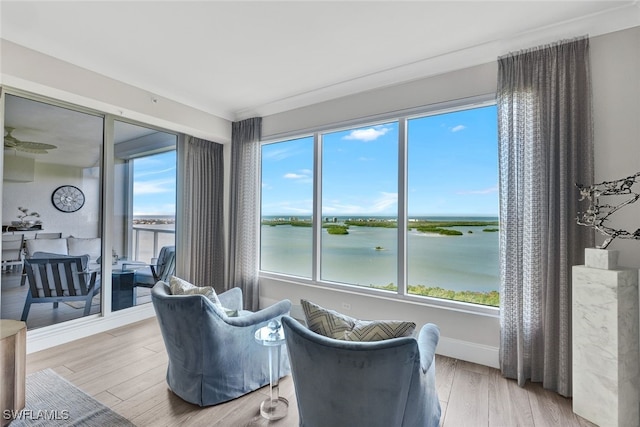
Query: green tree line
point(491, 298)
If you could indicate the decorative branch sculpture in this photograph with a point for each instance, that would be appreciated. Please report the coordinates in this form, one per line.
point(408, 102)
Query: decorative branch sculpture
point(598, 214)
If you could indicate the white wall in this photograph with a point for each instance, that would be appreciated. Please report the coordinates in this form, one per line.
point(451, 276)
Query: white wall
point(469, 82)
point(29, 70)
point(615, 60)
point(36, 196)
point(615, 64)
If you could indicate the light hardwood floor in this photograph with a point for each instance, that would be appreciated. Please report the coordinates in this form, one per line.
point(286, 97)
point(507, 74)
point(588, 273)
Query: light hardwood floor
point(125, 369)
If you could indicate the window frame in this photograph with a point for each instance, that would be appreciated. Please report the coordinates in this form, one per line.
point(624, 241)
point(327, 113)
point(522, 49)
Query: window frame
point(402, 118)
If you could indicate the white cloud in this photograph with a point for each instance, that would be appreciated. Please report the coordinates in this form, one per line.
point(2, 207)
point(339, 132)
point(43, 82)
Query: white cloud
point(292, 207)
point(292, 175)
point(338, 208)
point(380, 205)
point(489, 190)
point(385, 201)
point(303, 175)
point(458, 128)
point(369, 134)
point(154, 187)
point(279, 154)
point(155, 172)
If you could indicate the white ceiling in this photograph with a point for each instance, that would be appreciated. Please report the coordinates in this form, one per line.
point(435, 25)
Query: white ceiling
point(236, 59)
point(77, 136)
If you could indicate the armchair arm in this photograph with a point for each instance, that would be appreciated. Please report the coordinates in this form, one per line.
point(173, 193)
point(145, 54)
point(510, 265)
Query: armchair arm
point(427, 342)
point(278, 309)
point(155, 274)
point(135, 264)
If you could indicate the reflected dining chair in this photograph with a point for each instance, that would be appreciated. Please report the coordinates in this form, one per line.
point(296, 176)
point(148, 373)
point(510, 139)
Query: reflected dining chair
point(12, 253)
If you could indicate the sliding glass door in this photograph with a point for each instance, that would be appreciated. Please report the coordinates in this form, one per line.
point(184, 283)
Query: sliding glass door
point(52, 199)
point(53, 204)
point(144, 212)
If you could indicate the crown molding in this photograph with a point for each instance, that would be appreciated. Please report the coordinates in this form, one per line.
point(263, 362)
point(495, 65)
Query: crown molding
point(624, 17)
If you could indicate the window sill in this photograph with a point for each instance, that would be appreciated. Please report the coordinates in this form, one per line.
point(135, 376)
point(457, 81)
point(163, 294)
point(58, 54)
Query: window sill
point(459, 306)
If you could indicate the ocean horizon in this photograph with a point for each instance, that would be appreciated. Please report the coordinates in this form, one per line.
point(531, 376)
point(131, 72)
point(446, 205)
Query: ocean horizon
point(387, 217)
point(368, 255)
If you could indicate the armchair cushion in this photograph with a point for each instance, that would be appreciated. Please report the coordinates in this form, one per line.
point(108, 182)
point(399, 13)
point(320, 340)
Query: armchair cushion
point(82, 246)
point(180, 286)
point(72, 246)
point(335, 325)
point(54, 246)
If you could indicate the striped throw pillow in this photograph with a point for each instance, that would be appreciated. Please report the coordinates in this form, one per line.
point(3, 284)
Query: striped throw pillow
point(335, 325)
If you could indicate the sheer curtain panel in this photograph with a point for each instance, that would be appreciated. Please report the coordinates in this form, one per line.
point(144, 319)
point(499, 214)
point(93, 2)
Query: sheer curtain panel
point(200, 245)
point(545, 148)
point(245, 203)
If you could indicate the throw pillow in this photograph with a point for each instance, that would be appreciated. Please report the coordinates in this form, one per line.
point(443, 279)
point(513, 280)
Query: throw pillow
point(82, 246)
point(335, 325)
point(182, 287)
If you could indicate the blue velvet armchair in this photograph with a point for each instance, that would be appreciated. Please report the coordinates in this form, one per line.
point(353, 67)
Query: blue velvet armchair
point(214, 358)
point(345, 383)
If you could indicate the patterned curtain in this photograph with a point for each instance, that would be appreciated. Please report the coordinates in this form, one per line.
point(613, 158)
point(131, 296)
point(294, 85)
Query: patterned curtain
point(245, 208)
point(200, 245)
point(545, 148)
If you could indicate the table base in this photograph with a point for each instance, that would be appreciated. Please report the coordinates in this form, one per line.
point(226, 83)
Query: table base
point(274, 410)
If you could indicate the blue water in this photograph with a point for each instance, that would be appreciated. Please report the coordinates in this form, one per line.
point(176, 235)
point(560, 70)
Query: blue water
point(467, 262)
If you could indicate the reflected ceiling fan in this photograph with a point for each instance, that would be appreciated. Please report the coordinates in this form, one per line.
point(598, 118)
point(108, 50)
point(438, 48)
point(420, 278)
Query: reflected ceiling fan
point(13, 143)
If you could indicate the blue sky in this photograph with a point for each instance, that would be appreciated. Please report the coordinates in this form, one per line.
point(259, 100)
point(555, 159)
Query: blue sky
point(154, 184)
point(453, 169)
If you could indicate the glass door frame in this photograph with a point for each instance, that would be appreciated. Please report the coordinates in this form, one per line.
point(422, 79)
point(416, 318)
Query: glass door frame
point(106, 201)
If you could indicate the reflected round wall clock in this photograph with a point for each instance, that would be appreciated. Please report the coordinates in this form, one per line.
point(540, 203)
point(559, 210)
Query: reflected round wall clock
point(67, 198)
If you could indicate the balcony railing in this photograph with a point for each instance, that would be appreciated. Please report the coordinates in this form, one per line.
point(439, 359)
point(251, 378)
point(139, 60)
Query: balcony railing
point(148, 239)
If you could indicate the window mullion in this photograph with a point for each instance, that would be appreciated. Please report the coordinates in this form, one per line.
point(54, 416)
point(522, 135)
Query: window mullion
point(317, 207)
point(402, 206)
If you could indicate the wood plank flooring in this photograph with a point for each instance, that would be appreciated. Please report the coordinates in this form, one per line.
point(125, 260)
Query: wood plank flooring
point(125, 369)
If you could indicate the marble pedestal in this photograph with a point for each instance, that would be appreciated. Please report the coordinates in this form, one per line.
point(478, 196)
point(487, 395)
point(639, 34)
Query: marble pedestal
point(605, 341)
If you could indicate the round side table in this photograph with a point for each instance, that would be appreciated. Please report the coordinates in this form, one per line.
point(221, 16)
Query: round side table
point(272, 336)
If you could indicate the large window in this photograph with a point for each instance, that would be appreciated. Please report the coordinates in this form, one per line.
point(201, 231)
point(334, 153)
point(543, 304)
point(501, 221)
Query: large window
point(452, 201)
point(360, 189)
point(287, 207)
point(407, 206)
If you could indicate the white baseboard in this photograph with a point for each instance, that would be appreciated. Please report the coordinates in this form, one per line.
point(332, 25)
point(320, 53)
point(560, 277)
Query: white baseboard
point(469, 351)
point(61, 333)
